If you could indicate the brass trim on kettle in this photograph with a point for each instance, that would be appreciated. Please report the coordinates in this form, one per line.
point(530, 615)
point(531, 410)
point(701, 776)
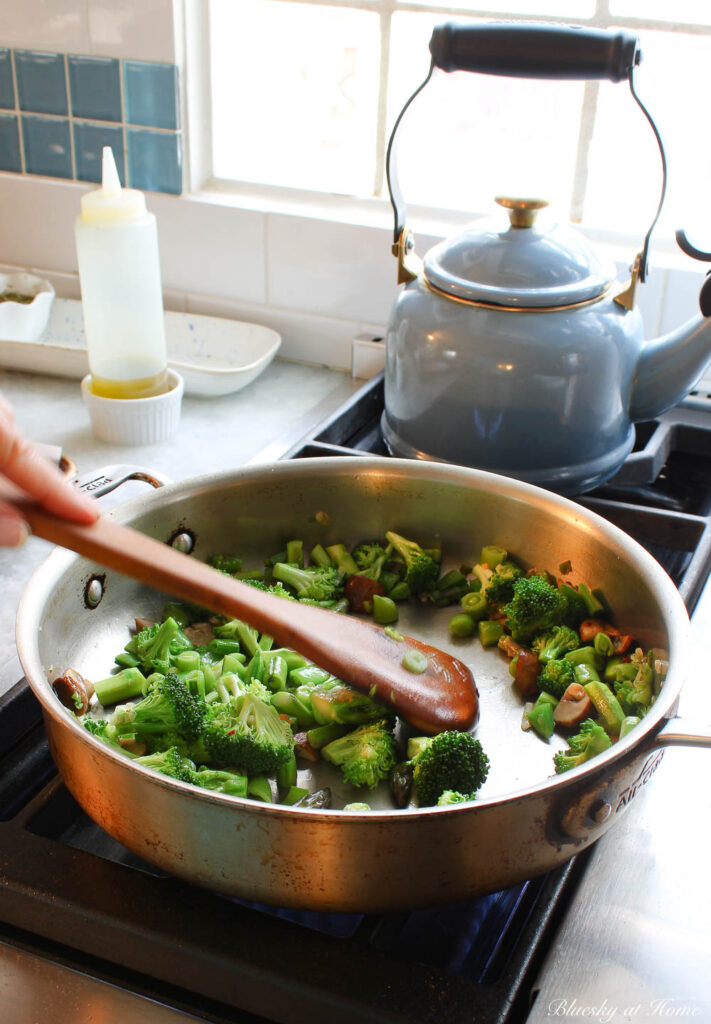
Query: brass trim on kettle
point(612, 287)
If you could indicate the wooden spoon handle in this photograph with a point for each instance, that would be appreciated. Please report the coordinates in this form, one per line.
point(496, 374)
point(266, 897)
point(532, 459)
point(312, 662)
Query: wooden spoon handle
point(360, 653)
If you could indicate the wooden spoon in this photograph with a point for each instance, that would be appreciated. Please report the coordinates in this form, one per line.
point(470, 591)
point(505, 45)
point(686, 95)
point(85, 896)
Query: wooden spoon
point(444, 696)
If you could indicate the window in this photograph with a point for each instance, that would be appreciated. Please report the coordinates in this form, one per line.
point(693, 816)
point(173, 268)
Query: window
point(305, 93)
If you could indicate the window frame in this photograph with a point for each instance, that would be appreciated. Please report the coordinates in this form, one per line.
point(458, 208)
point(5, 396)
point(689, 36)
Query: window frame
point(376, 210)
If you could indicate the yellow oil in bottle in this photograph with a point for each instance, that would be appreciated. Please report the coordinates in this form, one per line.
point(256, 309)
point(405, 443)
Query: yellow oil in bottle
point(135, 387)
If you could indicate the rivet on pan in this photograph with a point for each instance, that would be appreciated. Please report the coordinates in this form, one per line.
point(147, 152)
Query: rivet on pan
point(600, 812)
point(183, 542)
point(94, 591)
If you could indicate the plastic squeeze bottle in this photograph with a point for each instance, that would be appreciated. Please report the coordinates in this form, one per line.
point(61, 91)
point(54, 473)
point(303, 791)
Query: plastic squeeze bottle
point(119, 271)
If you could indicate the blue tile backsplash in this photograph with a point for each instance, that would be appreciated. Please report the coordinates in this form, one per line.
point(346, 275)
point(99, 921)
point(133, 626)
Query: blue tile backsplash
point(96, 88)
point(151, 92)
point(48, 149)
point(7, 89)
point(41, 82)
point(154, 157)
point(57, 111)
point(10, 158)
point(89, 141)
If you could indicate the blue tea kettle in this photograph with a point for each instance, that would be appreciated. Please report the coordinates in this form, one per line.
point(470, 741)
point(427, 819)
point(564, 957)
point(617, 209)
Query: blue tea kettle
point(495, 343)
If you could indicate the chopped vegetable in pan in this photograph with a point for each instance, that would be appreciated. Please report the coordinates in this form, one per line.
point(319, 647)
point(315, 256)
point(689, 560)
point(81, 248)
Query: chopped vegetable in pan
point(212, 702)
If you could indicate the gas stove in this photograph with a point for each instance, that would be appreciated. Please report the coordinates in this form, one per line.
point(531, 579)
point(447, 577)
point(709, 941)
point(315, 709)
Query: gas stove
point(79, 911)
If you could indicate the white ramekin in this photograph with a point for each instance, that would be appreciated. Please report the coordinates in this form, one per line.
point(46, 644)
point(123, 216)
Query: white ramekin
point(135, 421)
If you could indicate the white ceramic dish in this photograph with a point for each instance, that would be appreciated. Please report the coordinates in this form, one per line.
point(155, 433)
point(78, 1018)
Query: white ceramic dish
point(135, 421)
point(24, 322)
point(213, 356)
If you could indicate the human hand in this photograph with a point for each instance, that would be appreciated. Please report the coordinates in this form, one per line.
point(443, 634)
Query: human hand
point(24, 471)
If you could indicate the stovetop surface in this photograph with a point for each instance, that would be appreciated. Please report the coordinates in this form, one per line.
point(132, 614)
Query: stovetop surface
point(71, 893)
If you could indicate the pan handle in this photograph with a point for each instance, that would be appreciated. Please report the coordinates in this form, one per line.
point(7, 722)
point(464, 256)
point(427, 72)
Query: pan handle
point(682, 732)
point(103, 481)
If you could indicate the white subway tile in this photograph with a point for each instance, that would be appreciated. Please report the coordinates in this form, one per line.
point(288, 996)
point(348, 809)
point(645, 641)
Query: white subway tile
point(322, 341)
point(37, 216)
point(137, 29)
point(210, 250)
point(60, 25)
point(330, 269)
point(66, 286)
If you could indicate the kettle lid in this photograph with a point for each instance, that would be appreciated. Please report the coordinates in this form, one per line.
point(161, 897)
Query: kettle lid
point(520, 265)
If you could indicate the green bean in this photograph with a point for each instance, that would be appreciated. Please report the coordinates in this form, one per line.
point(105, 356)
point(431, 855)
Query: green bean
point(384, 610)
point(462, 625)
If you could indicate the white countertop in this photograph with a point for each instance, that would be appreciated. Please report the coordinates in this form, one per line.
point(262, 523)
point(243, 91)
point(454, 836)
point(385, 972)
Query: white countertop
point(215, 434)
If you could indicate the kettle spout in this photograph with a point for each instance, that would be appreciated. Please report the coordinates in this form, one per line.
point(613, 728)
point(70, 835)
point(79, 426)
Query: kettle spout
point(668, 368)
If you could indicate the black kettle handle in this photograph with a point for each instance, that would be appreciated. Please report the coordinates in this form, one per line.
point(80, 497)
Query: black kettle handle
point(535, 51)
point(523, 50)
point(698, 254)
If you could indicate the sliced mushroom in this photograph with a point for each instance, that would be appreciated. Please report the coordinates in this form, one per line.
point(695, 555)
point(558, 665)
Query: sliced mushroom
point(319, 798)
point(359, 591)
point(73, 691)
point(302, 748)
point(573, 707)
point(528, 668)
point(143, 624)
point(199, 634)
point(621, 643)
point(591, 627)
point(401, 781)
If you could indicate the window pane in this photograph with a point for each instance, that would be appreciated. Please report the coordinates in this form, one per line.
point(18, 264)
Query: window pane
point(625, 173)
point(294, 94)
point(469, 137)
point(689, 11)
point(571, 10)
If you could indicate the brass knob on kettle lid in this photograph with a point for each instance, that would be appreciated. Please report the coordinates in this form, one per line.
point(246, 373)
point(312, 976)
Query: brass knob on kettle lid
point(522, 212)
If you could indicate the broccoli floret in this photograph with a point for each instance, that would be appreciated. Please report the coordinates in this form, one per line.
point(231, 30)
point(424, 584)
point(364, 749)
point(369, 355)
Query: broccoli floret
point(220, 781)
point(370, 557)
point(499, 587)
point(421, 570)
point(591, 739)
point(247, 733)
point(168, 707)
point(226, 563)
point(318, 583)
point(104, 731)
point(452, 760)
point(192, 749)
point(536, 606)
point(155, 645)
point(576, 609)
point(450, 796)
point(555, 643)
point(169, 762)
point(365, 756)
point(271, 588)
point(636, 695)
point(334, 701)
point(556, 677)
